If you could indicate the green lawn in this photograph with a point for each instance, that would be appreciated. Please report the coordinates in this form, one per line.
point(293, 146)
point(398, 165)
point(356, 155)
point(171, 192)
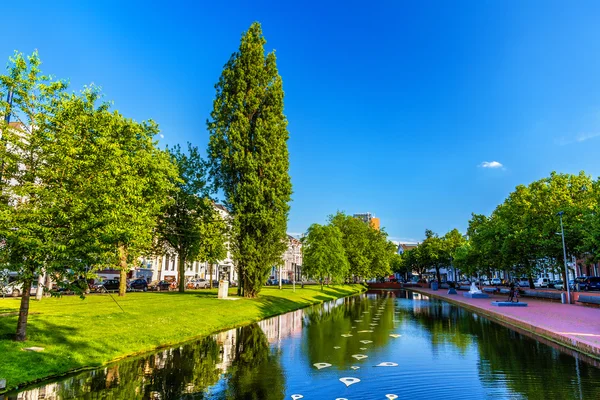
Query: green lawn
point(78, 333)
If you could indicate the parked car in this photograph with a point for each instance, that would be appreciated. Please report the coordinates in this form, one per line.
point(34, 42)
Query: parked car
point(558, 285)
point(80, 285)
point(198, 283)
point(138, 284)
point(541, 283)
point(496, 282)
point(581, 281)
point(13, 289)
point(522, 282)
point(594, 283)
point(588, 283)
point(109, 285)
point(160, 286)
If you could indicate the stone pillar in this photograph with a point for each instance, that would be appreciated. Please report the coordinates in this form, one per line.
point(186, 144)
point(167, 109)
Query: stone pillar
point(223, 289)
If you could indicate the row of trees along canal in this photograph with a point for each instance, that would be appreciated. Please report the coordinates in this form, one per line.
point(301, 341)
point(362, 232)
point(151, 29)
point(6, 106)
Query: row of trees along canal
point(346, 249)
point(84, 188)
point(522, 236)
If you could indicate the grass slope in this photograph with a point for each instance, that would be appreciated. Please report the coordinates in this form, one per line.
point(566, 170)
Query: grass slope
point(78, 333)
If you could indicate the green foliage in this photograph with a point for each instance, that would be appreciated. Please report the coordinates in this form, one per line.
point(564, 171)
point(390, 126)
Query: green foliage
point(248, 158)
point(367, 249)
point(323, 253)
point(190, 225)
point(81, 185)
point(521, 234)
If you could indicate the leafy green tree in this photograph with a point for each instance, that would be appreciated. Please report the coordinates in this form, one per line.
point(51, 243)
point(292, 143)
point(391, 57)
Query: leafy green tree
point(399, 265)
point(356, 243)
point(432, 252)
point(591, 240)
point(190, 224)
point(368, 250)
point(132, 188)
point(451, 242)
point(34, 219)
point(323, 254)
point(248, 158)
point(63, 174)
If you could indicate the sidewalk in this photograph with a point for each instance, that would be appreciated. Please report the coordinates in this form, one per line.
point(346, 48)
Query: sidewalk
point(573, 326)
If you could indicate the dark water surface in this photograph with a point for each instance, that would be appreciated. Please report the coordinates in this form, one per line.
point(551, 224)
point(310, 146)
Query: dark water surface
point(432, 349)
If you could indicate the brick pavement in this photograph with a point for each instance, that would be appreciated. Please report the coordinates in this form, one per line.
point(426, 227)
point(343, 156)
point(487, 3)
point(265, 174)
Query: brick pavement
point(570, 325)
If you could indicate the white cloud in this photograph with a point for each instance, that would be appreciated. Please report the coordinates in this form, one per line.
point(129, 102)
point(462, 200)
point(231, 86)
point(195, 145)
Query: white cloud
point(162, 136)
point(582, 137)
point(491, 164)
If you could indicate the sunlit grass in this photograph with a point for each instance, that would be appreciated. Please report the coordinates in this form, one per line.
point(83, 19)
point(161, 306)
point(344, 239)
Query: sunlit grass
point(78, 333)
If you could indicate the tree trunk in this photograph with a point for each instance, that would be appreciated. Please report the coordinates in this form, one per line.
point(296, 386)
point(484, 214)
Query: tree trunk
point(240, 280)
point(210, 272)
point(437, 272)
point(21, 335)
point(40, 288)
point(181, 268)
point(123, 272)
point(48, 283)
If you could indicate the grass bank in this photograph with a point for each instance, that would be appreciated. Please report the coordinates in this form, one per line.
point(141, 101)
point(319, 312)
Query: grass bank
point(78, 333)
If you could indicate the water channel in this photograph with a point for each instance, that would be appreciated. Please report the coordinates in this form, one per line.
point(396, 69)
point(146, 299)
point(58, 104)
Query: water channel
point(372, 346)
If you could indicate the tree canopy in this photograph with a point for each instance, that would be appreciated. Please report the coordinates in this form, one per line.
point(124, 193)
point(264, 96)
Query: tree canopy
point(248, 158)
point(323, 254)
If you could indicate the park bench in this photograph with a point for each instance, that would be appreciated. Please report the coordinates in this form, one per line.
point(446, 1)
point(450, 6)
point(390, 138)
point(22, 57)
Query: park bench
point(589, 299)
point(491, 290)
point(542, 295)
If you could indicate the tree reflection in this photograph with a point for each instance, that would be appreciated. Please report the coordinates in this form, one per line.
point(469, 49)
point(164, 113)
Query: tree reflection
point(256, 372)
point(178, 373)
point(508, 358)
point(325, 327)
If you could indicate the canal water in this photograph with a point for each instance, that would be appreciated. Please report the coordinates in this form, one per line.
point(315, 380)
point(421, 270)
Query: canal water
point(384, 345)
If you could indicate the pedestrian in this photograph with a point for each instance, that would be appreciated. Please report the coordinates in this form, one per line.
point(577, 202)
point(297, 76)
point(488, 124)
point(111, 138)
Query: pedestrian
point(511, 292)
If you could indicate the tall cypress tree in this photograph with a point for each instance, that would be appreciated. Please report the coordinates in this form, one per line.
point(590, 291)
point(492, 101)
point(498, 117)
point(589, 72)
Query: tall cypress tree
point(248, 158)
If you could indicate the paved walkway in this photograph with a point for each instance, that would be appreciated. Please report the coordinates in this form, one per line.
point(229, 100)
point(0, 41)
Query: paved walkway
point(573, 326)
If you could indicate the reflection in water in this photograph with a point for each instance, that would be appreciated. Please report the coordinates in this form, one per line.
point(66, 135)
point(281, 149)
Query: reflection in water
point(241, 357)
point(424, 348)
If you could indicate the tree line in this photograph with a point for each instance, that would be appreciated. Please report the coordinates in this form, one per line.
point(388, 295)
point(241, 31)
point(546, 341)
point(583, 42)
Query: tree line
point(346, 249)
point(83, 187)
point(522, 236)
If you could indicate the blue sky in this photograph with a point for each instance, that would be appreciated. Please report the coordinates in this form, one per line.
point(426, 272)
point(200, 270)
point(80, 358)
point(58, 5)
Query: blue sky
point(393, 106)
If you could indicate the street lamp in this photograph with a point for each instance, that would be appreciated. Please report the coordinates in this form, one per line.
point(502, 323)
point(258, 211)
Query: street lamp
point(562, 232)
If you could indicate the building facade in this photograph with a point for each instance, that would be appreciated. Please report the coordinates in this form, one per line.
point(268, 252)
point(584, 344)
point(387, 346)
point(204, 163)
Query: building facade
point(369, 218)
point(291, 265)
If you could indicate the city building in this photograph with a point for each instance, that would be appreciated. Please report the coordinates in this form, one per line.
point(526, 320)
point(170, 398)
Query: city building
point(403, 247)
point(369, 218)
point(291, 266)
